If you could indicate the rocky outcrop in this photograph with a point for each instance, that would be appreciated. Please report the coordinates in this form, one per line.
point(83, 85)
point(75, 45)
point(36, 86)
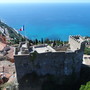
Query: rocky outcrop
point(9, 32)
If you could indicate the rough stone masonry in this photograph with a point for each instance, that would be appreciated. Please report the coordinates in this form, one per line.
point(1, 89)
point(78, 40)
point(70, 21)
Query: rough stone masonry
point(60, 64)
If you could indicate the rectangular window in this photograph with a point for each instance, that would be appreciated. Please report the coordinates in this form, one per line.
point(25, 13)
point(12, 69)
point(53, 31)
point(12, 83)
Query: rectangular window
point(85, 57)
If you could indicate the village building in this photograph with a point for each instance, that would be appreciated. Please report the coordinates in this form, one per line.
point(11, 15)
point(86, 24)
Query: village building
point(86, 59)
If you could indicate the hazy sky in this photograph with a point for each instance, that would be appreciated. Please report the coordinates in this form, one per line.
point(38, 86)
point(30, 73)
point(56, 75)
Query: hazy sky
point(38, 1)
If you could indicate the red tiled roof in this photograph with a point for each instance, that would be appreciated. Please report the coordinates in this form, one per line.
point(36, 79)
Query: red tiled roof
point(10, 54)
point(2, 45)
point(6, 75)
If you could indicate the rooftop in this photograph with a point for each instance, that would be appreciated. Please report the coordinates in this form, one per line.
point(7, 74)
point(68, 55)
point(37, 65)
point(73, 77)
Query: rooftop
point(2, 46)
point(74, 44)
point(43, 48)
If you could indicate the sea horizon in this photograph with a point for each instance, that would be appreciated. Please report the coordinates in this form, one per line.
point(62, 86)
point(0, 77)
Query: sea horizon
point(49, 20)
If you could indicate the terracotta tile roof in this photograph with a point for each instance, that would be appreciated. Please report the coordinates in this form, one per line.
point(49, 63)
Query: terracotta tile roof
point(2, 46)
point(7, 75)
point(10, 54)
point(4, 77)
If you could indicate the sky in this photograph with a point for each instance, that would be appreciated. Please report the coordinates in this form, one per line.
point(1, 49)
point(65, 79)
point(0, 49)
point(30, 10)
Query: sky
point(44, 1)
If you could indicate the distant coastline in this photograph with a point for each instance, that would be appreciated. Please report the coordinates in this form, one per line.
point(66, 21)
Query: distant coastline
point(54, 21)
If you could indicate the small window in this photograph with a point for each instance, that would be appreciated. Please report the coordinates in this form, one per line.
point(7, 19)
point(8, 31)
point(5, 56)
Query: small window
point(85, 57)
point(89, 57)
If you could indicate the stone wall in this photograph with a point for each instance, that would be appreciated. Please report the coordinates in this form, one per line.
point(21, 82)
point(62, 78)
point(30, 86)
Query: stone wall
point(75, 44)
point(57, 63)
point(60, 64)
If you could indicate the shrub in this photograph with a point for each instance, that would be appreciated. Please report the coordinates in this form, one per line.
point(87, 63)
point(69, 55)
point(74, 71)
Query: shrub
point(85, 87)
point(87, 51)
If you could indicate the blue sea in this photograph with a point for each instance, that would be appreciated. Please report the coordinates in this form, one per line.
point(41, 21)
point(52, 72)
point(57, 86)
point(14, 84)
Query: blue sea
point(48, 20)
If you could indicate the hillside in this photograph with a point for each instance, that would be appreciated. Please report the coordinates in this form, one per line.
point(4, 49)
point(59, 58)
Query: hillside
point(9, 32)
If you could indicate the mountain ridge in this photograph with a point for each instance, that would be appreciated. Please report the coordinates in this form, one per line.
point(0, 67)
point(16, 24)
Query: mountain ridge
point(9, 32)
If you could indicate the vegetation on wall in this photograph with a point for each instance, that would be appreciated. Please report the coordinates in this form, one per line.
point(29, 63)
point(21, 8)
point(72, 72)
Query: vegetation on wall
point(87, 51)
point(33, 56)
point(85, 87)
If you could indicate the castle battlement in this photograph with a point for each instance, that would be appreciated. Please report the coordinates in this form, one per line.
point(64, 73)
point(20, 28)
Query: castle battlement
point(43, 59)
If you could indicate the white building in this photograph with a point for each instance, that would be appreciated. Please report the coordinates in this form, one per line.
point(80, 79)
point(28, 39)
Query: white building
point(86, 59)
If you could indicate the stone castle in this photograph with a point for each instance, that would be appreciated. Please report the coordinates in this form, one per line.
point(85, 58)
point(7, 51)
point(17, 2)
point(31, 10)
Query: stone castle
point(44, 60)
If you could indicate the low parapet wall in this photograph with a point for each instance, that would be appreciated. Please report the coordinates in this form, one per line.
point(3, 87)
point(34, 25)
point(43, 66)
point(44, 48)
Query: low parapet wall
point(75, 42)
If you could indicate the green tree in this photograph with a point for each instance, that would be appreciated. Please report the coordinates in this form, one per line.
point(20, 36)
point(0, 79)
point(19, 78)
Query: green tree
point(87, 51)
point(85, 87)
point(47, 41)
point(54, 43)
point(36, 41)
point(23, 39)
point(42, 40)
